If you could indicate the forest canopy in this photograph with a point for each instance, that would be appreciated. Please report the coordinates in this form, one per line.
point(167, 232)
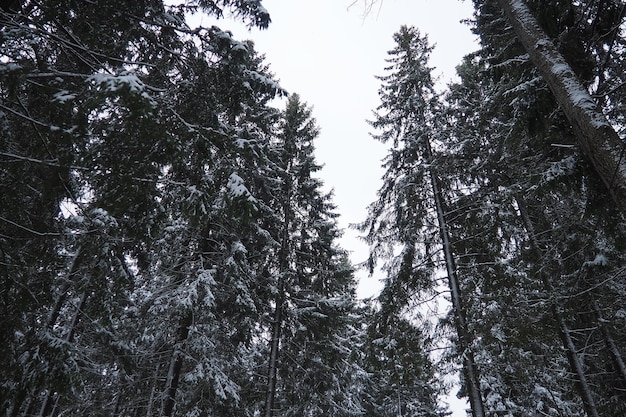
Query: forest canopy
point(167, 247)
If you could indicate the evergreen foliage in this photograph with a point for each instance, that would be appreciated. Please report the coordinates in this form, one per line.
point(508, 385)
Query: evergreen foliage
point(151, 202)
point(403, 226)
point(311, 357)
point(167, 249)
point(535, 242)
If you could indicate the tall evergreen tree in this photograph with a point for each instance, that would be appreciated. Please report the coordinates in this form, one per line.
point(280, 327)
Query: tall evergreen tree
point(311, 367)
point(129, 178)
point(534, 219)
point(408, 225)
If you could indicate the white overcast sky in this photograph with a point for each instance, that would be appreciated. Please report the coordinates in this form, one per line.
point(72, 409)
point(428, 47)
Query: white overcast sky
point(329, 53)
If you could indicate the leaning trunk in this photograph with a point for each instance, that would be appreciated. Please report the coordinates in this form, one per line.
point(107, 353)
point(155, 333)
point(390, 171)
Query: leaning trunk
point(176, 364)
point(51, 397)
point(596, 137)
point(611, 346)
point(575, 364)
point(576, 367)
point(470, 369)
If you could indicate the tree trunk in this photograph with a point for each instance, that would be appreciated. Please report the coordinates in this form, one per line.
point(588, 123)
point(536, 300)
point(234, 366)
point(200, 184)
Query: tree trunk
point(469, 364)
point(176, 364)
point(575, 364)
point(611, 346)
point(278, 320)
point(152, 392)
point(596, 137)
point(53, 316)
point(51, 397)
point(283, 265)
point(584, 390)
point(274, 347)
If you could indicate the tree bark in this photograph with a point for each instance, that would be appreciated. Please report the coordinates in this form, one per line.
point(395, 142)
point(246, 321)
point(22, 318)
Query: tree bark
point(469, 364)
point(274, 347)
point(51, 397)
point(598, 140)
point(576, 367)
point(283, 264)
point(611, 346)
point(575, 364)
point(277, 324)
point(176, 364)
point(21, 396)
point(153, 391)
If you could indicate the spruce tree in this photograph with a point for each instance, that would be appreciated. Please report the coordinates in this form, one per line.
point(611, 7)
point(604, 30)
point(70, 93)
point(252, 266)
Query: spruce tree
point(109, 180)
point(537, 210)
point(407, 226)
point(310, 358)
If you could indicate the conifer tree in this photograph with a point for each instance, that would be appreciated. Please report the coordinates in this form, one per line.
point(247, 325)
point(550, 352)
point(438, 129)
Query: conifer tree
point(529, 187)
point(96, 100)
point(597, 138)
point(310, 360)
point(409, 215)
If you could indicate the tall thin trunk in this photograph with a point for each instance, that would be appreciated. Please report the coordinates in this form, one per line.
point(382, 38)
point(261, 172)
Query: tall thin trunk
point(56, 310)
point(51, 397)
point(176, 364)
point(469, 364)
point(283, 263)
point(153, 392)
point(596, 137)
point(575, 364)
point(278, 321)
point(611, 346)
point(576, 367)
point(52, 319)
point(274, 348)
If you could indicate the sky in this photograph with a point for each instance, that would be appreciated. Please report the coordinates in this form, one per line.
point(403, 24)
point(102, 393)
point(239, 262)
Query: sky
point(329, 52)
